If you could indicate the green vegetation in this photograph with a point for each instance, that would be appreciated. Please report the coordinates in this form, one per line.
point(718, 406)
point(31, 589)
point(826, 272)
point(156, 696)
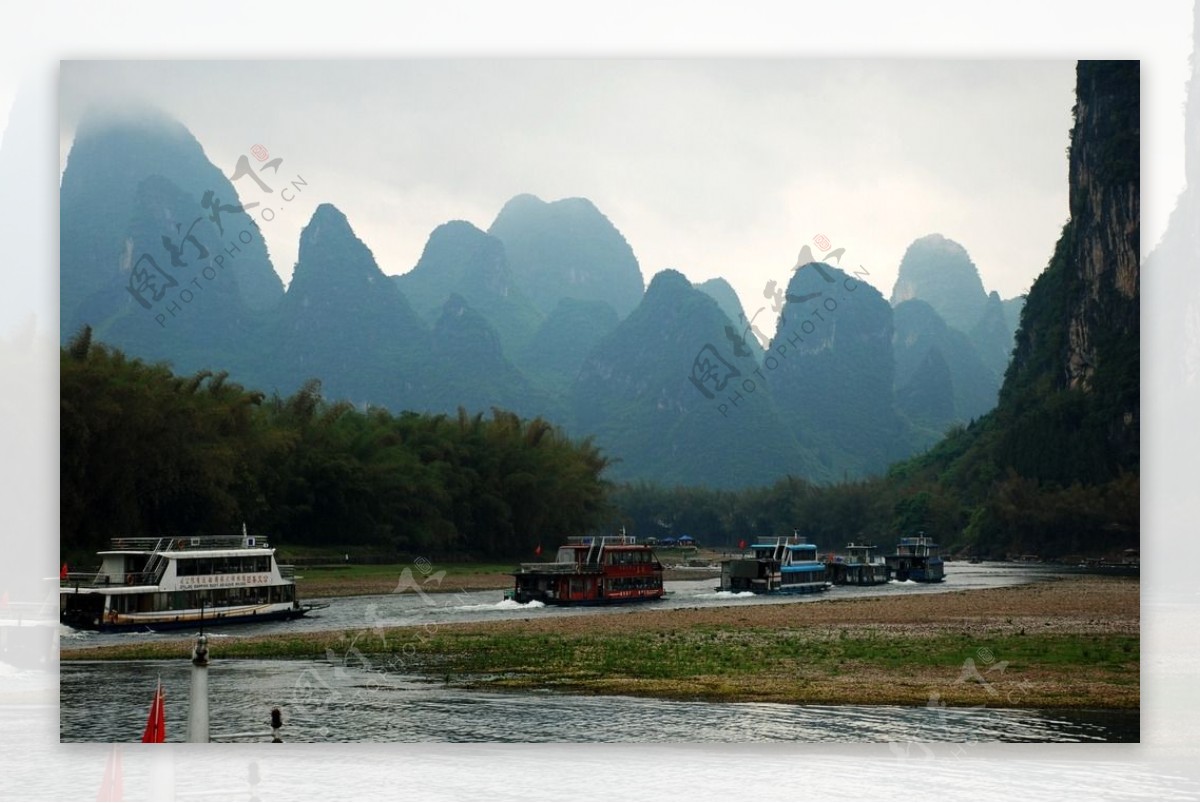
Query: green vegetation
point(148, 452)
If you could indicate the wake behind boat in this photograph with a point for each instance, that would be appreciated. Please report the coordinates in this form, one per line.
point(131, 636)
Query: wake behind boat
point(593, 571)
point(172, 583)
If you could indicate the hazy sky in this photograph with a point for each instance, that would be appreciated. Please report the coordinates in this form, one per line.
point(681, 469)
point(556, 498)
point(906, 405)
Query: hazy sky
point(712, 167)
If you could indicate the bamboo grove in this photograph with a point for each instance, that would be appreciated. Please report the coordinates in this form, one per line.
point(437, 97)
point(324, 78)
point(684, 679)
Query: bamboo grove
point(145, 452)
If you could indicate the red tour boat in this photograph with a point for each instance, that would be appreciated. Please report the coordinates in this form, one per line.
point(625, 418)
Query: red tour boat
point(593, 571)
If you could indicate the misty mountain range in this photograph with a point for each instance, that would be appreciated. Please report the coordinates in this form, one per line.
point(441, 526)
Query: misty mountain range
point(545, 313)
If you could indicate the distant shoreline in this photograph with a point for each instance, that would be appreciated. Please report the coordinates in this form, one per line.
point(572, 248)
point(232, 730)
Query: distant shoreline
point(1064, 643)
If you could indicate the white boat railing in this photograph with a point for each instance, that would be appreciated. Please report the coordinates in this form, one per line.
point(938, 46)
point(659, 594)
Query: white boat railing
point(180, 543)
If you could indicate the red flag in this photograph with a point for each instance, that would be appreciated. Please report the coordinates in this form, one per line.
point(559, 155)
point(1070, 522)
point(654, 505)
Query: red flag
point(156, 722)
point(742, 544)
point(62, 573)
point(112, 787)
point(538, 551)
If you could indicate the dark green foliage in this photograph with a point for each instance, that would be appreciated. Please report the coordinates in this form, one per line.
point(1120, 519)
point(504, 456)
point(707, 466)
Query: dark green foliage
point(1054, 468)
point(567, 249)
point(145, 452)
point(1113, 87)
point(1012, 316)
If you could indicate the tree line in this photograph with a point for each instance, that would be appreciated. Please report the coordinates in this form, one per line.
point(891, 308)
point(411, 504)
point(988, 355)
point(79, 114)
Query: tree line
point(146, 452)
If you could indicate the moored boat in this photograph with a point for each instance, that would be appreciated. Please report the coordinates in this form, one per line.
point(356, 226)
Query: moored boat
point(172, 583)
point(593, 571)
point(782, 567)
point(917, 558)
point(860, 566)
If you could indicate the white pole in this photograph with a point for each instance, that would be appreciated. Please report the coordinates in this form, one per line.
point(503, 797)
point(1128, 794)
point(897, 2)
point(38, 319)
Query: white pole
point(198, 707)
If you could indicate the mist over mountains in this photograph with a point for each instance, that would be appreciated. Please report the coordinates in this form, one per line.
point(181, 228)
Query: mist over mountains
point(544, 313)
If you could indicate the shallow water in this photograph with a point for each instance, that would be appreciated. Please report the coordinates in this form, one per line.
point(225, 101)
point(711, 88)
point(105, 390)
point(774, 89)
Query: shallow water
point(326, 701)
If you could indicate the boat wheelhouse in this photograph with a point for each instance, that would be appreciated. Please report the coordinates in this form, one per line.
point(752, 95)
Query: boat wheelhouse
point(781, 567)
point(917, 558)
point(860, 566)
point(593, 571)
point(170, 583)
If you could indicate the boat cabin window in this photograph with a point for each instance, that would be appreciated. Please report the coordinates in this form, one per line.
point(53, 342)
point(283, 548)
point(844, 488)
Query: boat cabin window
point(238, 564)
point(621, 557)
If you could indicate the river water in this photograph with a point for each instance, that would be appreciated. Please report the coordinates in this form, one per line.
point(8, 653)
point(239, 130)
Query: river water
point(346, 699)
point(420, 604)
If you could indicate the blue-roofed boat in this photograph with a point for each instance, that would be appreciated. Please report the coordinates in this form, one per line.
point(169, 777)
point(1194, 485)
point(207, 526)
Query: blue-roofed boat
point(917, 558)
point(782, 567)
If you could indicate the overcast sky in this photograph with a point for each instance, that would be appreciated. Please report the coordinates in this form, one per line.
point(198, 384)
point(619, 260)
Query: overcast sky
point(712, 167)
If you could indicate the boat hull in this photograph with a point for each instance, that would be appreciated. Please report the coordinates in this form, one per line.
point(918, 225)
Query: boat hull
point(930, 572)
point(173, 621)
point(592, 571)
point(806, 588)
point(527, 598)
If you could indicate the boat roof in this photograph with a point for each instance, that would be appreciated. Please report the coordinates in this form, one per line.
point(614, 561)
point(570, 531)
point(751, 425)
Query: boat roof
point(607, 540)
point(789, 546)
point(142, 544)
point(196, 553)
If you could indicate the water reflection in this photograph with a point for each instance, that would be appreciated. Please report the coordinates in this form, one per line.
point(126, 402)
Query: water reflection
point(107, 701)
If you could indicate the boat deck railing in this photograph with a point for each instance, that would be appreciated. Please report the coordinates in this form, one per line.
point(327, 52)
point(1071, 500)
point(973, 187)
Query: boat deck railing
point(153, 543)
point(99, 579)
point(606, 540)
point(563, 568)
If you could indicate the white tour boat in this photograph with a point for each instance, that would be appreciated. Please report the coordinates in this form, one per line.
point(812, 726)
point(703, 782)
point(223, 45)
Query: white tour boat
point(169, 583)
